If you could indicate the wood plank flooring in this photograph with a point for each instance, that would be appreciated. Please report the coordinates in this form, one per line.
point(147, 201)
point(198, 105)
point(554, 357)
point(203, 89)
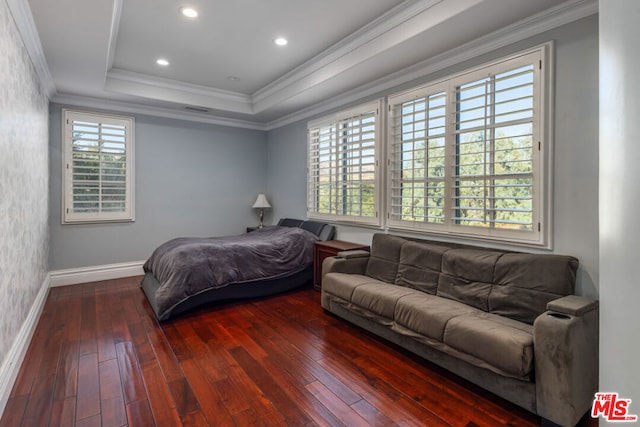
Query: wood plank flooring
point(99, 358)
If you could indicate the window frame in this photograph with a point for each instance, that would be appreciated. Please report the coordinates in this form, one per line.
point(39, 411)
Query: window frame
point(540, 235)
point(68, 117)
point(334, 120)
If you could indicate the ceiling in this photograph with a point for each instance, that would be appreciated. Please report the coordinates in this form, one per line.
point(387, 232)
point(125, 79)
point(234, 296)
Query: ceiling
point(224, 64)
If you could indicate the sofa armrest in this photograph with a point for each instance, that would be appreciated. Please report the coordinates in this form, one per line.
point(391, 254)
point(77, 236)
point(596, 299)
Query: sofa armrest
point(350, 262)
point(356, 253)
point(573, 305)
point(566, 358)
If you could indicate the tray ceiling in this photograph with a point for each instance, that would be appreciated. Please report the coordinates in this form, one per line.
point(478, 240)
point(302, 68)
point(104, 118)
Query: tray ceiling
point(224, 63)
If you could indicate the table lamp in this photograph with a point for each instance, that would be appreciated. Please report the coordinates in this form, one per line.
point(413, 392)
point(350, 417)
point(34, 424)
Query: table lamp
point(262, 204)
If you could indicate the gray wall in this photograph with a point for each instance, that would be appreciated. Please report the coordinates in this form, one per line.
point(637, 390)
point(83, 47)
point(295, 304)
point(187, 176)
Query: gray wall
point(190, 180)
point(24, 196)
point(575, 189)
point(619, 200)
point(287, 175)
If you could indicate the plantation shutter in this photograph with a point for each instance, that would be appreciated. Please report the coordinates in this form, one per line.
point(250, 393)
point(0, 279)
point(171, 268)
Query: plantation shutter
point(342, 176)
point(418, 159)
point(464, 154)
point(97, 167)
point(323, 163)
point(493, 168)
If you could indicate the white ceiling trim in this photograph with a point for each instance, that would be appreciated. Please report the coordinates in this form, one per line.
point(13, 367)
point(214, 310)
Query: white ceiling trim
point(23, 18)
point(376, 36)
point(383, 41)
point(564, 13)
point(139, 109)
point(132, 83)
point(537, 24)
point(375, 29)
point(113, 34)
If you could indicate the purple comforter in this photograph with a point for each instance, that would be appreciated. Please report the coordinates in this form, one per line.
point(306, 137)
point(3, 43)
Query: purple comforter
point(187, 266)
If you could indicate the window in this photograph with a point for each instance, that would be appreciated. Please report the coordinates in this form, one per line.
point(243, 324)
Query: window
point(97, 167)
point(465, 154)
point(343, 179)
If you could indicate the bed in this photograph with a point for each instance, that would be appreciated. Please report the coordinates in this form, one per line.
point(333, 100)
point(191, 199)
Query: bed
point(187, 272)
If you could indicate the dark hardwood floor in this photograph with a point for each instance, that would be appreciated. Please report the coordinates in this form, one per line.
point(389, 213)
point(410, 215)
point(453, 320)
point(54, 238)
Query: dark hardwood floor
point(99, 358)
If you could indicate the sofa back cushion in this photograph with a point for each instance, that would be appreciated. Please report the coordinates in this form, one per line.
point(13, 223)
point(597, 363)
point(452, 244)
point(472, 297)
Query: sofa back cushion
point(384, 258)
point(420, 265)
point(525, 283)
point(467, 276)
point(511, 284)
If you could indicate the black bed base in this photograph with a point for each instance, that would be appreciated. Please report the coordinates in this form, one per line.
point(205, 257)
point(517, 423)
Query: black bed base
point(235, 291)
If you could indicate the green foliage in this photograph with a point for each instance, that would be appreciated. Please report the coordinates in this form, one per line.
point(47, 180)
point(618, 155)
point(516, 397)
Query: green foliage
point(493, 180)
point(99, 174)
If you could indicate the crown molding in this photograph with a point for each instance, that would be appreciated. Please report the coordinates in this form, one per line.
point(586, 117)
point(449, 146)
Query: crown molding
point(113, 34)
point(131, 83)
point(164, 83)
point(291, 84)
point(562, 14)
point(124, 81)
point(23, 18)
point(169, 113)
point(383, 24)
point(565, 13)
point(402, 28)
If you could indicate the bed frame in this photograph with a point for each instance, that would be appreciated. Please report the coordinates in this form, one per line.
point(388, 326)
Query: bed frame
point(253, 289)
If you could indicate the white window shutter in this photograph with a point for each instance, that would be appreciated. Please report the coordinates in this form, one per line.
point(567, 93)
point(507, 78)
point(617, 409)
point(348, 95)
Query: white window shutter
point(464, 154)
point(98, 167)
point(343, 178)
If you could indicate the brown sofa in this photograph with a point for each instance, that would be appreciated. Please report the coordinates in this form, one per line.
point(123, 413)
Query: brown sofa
point(506, 321)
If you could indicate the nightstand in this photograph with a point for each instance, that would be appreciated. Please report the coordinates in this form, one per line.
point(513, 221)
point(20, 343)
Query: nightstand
point(322, 250)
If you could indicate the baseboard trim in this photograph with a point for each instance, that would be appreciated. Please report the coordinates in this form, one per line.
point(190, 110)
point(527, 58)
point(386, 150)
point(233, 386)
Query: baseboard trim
point(73, 276)
point(15, 356)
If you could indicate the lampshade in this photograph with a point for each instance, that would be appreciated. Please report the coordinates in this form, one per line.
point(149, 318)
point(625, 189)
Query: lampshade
point(261, 202)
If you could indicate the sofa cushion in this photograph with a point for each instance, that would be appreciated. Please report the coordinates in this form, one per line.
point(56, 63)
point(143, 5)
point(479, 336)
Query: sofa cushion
point(428, 314)
point(467, 276)
point(473, 265)
point(384, 258)
point(419, 266)
point(343, 284)
point(505, 344)
point(525, 283)
point(379, 298)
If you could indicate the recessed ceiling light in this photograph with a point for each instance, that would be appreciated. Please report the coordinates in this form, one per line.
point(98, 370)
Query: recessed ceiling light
point(281, 41)
point(233, 78)
point(189, 12)
point(163, 62)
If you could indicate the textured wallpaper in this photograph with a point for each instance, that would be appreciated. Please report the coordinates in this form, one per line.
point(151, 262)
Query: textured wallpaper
point(24, 182)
